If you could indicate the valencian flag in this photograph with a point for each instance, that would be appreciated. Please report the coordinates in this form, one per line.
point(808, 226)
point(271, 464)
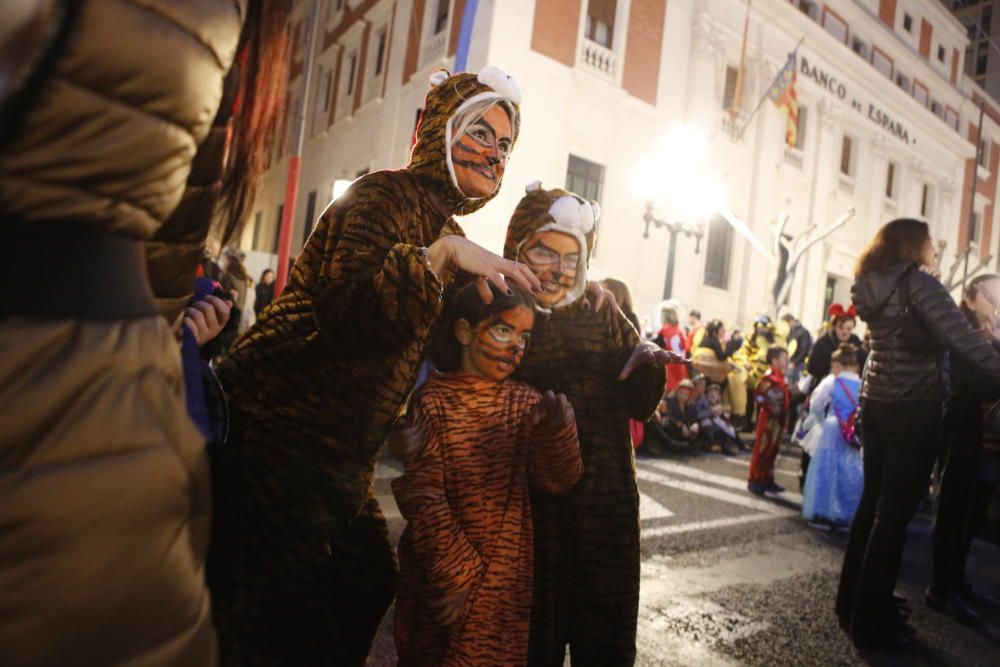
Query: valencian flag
point(782, 93)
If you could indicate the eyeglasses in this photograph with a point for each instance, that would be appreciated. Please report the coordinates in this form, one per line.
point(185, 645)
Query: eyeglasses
point(543, 257)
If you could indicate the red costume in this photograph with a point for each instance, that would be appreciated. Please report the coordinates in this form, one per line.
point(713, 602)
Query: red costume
point(773, 397)
point(674, 340)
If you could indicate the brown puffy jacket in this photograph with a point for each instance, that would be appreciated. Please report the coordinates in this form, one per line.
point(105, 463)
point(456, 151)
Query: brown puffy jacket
point(104, 498)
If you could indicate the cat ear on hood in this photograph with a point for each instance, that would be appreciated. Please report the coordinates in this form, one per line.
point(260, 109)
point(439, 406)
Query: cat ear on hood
point(501, 82)
point(438, 77)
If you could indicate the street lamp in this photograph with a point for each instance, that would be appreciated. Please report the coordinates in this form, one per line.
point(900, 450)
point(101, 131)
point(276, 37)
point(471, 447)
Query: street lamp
point(675, 227)
point(679, 173)
point(340, 187)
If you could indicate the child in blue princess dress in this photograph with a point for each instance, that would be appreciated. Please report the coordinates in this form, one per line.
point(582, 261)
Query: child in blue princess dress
point(836, 476)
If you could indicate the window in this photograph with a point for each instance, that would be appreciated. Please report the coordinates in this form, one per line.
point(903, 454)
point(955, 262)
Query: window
point(982, 53)
point(800, 131)
point(903, 81)
point(951, 117)
point(891, 177)
point(975, 229)
point(277, 228)
point(809, 8)
point(925, 201)
point(729, 92)
point(441, 16)
point(983, 154)
point(941, 53)
point(834, 25)
point(333, 8)
point(310, 220)
point(601, 21)
point(920, 93)
point(859, 47)
point(882, 62)
point(585, 178)
point(326, 83)
point(380, 42)
point(351, 63)
point(258, 222)
point(936, 108)
point(986, 20)
point(717, 253)
point(907, 23)
point(847, 156)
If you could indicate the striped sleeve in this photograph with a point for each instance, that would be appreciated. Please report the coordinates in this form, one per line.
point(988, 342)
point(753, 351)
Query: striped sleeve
point(377, 292)
point(554, 461)
point(447, 559)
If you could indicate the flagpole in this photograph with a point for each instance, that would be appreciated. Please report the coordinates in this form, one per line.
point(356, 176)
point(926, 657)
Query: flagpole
point(737, 101)
point(766, 91)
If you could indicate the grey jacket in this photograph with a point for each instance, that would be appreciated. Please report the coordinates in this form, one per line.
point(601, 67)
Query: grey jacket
point(893, 372)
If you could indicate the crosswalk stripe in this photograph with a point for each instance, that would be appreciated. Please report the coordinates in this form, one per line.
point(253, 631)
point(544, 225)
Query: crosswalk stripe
point(702, 476)
point(725, 522)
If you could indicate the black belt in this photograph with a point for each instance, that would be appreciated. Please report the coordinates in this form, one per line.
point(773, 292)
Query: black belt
point(63, 270)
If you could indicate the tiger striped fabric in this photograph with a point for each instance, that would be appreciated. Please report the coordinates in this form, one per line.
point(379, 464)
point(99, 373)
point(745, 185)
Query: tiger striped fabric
point(586, 542)
point(301, 568)
point(469, 519)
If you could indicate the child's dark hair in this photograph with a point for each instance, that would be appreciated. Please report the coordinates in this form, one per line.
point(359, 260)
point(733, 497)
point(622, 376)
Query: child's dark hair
point(466, 304)
point(846, 355)
point(774, 352)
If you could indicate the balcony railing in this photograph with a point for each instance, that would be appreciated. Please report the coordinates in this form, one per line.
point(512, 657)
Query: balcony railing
point(598, 59)
point(734, 125)
point(434, 49)
point(793, 157)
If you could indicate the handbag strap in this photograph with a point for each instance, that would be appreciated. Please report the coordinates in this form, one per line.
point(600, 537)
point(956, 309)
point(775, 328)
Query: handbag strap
point(847, 390)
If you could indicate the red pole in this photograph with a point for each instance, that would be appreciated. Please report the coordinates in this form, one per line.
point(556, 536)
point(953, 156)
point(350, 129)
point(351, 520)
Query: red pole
point(287, 223)
point(295, 159)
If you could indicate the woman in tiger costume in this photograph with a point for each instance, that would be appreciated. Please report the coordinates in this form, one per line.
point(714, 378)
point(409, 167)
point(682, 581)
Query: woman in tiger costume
point(301, 568)
point(587, 541)
point(466, 554)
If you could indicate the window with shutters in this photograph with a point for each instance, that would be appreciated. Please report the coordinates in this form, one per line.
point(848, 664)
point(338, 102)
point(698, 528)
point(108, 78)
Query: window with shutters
point(718, 253)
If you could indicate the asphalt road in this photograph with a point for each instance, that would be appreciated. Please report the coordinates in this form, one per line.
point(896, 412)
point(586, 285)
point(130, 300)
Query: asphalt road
point(732, 579)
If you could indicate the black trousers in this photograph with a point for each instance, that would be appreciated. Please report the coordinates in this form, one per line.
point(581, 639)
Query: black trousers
point(901, 440)
point(953, 524)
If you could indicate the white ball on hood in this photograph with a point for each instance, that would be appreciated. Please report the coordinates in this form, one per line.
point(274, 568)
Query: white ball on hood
point(501, 82)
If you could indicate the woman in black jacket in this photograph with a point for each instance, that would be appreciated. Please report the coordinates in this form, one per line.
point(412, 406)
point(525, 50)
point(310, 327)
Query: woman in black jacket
point(914, 324)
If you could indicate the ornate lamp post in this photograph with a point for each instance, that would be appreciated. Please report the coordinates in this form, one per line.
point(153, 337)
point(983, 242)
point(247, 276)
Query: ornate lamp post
point(674, 227)
point(679, 174)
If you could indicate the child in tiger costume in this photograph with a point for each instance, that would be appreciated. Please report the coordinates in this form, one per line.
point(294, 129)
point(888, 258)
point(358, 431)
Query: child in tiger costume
point(466, 554)
point(301, 568)
point(587, 541)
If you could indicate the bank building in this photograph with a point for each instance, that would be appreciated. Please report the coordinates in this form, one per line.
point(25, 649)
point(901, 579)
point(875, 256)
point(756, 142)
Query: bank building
point(674, 115)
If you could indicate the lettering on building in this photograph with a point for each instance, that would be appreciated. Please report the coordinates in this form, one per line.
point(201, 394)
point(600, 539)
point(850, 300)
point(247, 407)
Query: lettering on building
point(837, 88)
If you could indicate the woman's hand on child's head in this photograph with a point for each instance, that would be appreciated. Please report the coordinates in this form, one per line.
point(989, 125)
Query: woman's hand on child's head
point(449, 608)
point(405, 441)
point(207, 318)
point(463, 254)
point(553, 412)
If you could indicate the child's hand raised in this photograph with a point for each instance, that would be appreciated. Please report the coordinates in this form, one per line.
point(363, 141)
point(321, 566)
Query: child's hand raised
point(552, 412)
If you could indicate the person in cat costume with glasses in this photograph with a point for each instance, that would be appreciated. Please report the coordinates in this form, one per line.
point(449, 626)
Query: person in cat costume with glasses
point(301, 567)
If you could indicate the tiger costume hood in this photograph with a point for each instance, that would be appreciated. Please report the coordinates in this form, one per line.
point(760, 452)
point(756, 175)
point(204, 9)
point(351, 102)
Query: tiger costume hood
point(555, 210)
point(448, 97)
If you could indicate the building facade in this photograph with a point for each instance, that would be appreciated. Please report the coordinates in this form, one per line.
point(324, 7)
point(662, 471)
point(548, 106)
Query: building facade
point(982, 57)
point(888, 127)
